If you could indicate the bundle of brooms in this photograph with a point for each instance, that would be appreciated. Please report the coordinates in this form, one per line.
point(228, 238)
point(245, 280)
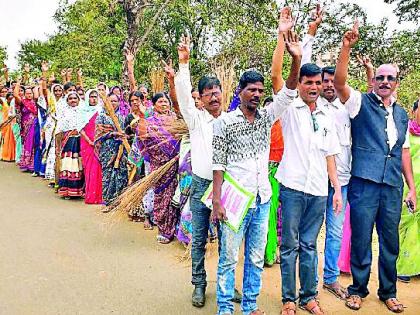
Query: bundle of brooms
point(132, 197)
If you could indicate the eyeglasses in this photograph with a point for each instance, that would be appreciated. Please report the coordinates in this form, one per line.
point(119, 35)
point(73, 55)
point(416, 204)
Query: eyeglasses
point(315, 123)
point(210, 94)
point(389, 78)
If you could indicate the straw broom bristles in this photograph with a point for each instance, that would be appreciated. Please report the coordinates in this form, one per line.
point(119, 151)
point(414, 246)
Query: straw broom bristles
point(225, 72)
point(157, 78)
point(177, 128)
point(133, 195)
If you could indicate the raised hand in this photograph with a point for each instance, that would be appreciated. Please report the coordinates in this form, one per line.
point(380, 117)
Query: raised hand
point(52, 77)
point(293, 46)
point(184, 49)
point(26, 68)
point(351, 37)
point(169, 70)
point(63, 72)
point(365, 61)
point(44, 66)
point(286, 21)
point(69, 71)
point(316, 17)
point(129, 56)
point(79, 72)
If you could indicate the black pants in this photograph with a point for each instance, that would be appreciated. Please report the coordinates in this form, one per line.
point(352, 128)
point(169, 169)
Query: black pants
point(372, 203)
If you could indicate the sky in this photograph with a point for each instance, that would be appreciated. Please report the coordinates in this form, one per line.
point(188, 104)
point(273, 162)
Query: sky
point(29, 19)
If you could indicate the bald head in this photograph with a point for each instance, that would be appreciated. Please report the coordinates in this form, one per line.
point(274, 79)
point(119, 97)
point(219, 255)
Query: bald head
point(386, 81)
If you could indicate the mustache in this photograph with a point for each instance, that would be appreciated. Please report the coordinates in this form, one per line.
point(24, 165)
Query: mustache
point(384, 86)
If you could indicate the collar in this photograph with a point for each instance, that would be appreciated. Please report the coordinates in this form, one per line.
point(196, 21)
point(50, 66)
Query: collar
point(324, 102)
point(393, 99)
point(299, 103)
point(238, 112)
point(209, 117)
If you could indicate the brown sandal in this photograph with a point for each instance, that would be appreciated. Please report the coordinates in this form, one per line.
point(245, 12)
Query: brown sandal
point(336, 289)
point(394, 305)
point(289, 308)
point(354, 302)
point(312, 307)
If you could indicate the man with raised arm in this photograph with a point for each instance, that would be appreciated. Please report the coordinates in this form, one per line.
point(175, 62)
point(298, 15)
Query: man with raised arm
point(380, 154)
point(241, 145)
point(200, 126)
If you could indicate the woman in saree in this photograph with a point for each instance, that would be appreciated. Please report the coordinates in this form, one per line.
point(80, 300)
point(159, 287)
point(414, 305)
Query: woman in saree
point(52, 97)
point(28, 112)
point(159, 147)
point(71, 178)
point(124, 107)
point(112, 154)
point(89, 110)
point(16, 126)
point(39, 143)
point(408, 263)
point(9, 144)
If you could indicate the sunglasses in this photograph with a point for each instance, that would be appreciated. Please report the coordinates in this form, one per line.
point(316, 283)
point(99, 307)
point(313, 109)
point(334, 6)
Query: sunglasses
point(389, 78)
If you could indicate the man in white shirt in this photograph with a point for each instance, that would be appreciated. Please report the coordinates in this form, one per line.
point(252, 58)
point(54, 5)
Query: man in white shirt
point(200, 126)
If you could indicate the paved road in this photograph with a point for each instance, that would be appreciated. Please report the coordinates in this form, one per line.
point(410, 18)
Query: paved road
point(63, 257)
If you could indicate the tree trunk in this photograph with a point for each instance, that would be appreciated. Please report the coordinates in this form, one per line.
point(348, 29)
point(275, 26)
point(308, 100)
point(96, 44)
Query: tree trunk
point(134, 10)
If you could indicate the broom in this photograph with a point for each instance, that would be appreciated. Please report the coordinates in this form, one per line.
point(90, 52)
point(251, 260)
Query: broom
point(7, 121)
point(111, 113)
point(157, 78)
point(133, 195)
point(177, 128)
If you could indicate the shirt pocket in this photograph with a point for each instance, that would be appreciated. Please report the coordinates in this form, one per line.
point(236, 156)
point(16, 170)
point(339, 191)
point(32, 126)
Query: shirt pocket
point(321, 139)
point(344, 134)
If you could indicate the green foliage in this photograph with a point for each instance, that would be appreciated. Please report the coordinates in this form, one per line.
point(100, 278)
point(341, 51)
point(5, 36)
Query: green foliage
point(3, 54)
point(91, 34)
point(407, 10)
point(409, 90)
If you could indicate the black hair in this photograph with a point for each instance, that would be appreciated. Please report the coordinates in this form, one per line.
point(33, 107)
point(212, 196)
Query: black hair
point(208, 82)
point(309, 70)
point(135, 93)
point(55, 81)
point(250, 76)
point(159, 95)
point(8, 95)
point(68, 85)
point(79, 88)
point(268, 100)
point(329, 69)
point(193, 90)
point(415, 105)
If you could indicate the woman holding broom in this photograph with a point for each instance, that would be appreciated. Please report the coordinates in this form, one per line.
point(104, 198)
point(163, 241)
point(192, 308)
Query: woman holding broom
point(159, 147)
point(111, 152)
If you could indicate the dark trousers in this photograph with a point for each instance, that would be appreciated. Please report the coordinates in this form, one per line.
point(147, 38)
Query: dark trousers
point(372, 203)
point(200, 228)
point(302, 216)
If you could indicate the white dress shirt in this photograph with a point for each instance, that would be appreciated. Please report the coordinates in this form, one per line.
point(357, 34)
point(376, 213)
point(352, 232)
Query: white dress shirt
point(341, 118)
point(309, 138)
point(354, 103)
point(200, 125)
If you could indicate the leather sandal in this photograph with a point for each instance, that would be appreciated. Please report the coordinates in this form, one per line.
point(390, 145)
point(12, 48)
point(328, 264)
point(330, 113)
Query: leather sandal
point(394, 305)
point(312, 307)
point(336, 289)
point(354, 302)
point(289, 308)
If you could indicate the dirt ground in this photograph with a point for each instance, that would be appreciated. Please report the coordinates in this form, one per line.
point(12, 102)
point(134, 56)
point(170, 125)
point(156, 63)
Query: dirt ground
point(64, 257)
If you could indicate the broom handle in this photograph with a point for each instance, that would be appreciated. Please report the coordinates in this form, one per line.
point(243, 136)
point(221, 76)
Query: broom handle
point(7, 121)
point(110, 110)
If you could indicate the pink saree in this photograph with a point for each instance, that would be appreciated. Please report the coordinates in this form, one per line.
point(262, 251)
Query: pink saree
point(91, 166)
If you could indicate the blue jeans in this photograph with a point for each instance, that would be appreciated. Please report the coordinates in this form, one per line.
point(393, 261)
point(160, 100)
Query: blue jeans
point(334, 234)
point(254, 230)
point(302, 216)
point(200, 227)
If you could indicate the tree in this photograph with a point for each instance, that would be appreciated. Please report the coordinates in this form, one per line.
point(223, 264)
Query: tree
point(407, 10)
point(3, 54)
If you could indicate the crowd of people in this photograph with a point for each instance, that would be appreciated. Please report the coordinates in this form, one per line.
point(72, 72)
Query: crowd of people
point(316, 152)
